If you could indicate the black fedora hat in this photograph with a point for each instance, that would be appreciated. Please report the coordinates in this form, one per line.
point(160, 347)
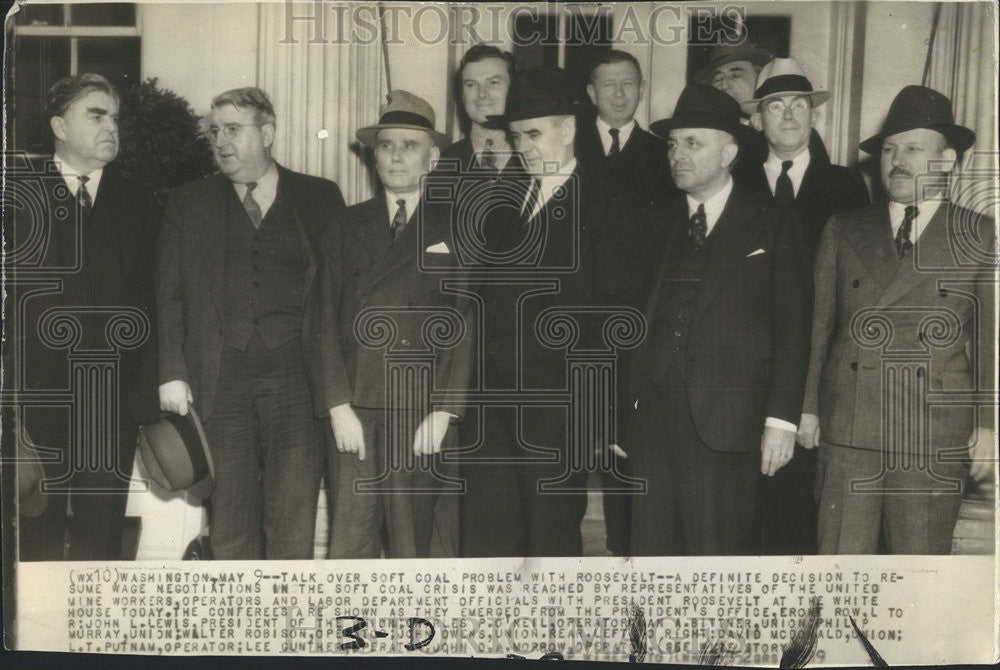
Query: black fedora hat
point(701, 106)
point(541, 91)
point(176, 455)
point(725, 54)
point(921, 107)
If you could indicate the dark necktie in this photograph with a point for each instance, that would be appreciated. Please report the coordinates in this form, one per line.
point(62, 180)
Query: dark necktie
point(399, 220)
point(903, 243)
point(488, 157)
point(83, 198)
point(615, 146)
point(251, 206)
point(783, 191)
point(532, 200)
point(699, 227)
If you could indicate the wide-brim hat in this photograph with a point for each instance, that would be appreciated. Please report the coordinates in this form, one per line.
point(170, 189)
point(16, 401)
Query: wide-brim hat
point(921, 107)
point(403, 110)
point(538, 92)
point(781, 77)
point(725, 54)
point(701, 106)
point(176, 455)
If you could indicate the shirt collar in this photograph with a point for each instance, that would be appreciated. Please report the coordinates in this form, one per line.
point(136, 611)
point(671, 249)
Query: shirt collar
point(267, 184)
point(625, 132)
point(925, 212)
point(549, 183)
point(713, 206)
point(772, 169)
point(412, 202)
point(72, 177)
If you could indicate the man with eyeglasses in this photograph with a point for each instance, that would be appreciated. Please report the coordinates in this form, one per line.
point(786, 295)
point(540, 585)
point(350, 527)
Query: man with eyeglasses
point(784, 109)
point(237, 259)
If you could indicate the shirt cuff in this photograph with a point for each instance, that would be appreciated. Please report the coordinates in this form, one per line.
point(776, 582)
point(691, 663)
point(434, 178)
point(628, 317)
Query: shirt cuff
point(771, 422)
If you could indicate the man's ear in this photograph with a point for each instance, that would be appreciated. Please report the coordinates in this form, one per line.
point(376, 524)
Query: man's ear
point(950, 156)
point(592, 93)
point(642, 90)
point(568, 129)
point(435, 156)
point(813, 117)
point(267, 131)
point(729, 153)
point(58, 125)
point(755, 121)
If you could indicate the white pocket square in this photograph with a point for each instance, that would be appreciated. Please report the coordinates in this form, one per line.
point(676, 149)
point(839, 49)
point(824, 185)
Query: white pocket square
point(439, 248)
point(756, 253)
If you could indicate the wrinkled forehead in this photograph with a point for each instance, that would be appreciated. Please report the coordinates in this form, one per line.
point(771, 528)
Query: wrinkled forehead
point(230, 113)
point(622, 70)
point(94, 101)
point(706, 135)
point(403, 135)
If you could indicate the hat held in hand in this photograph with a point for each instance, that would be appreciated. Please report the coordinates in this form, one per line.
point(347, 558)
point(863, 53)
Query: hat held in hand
point(176, 455)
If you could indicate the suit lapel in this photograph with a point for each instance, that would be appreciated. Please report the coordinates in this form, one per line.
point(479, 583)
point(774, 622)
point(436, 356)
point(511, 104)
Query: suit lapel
point(872, 239)
point(933, 251)
point(299, 206)
point(677, 217)
point(811, 184)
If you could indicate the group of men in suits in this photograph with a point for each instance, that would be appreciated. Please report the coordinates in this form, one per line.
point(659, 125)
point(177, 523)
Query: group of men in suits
point(410, 347)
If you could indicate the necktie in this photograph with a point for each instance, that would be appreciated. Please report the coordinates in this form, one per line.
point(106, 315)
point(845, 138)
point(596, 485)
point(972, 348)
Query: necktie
point(615, 146)
point(532, 201)
point(83, 198)
point(699, 227)
point(399, 220)
point(783, 191)
point(488, 158)
point(251, 206)
point(903, 243)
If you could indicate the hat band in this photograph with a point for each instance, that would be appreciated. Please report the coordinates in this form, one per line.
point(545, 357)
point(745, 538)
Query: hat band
point(405, 119)
point(184, 425)
point(784, 83)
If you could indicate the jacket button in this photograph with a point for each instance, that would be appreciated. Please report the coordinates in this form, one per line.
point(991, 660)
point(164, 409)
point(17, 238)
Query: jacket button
point(856, 283)
point(405, 342)
point(943, 293)
point(920, 372)
point(854, 365)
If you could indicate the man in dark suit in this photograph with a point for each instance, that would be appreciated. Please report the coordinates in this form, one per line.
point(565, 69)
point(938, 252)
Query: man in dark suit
point(905, 311)
point(718, 381)
point(382, 323)
point(236, 261)
point(565, 249)
point(77, 260)
point(784, 109)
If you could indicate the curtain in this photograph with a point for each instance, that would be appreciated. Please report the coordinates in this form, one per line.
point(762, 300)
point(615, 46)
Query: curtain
point(960, 65)
point(323, 89)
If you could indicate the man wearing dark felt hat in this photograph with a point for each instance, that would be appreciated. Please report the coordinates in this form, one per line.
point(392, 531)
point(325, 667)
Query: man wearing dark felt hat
point(566, 247)
point(237, 260)
point(913, 276)
point(716, 388)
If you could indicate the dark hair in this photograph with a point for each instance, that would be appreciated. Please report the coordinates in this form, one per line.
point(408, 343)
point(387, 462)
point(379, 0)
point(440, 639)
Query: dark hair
point(251, 97)
point(480, 52)
point(69, 89)
point(610, 57)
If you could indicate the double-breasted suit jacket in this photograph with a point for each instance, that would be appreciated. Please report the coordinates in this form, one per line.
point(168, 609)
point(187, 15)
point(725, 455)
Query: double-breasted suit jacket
point(191, 266)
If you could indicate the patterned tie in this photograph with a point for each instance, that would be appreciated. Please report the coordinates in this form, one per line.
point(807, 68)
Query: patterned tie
point(903, 243)
point(83, 198)
point(399, 220)
point(699, 227)
point(783, 191)
point(251, 206)
point(615, 146)
point(488, 157)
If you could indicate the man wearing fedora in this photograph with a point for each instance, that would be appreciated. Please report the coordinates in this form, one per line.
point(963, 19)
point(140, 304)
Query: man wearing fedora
point(391, 255)
point(566, 248)
point(914, 276)
point(237, 259)
point(735, 70)
point(716, 388)
point(784, 109)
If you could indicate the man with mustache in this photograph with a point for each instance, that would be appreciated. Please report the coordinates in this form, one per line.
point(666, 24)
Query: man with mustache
point(784, 109)
point(237, 259)
point(717, 385)
point(916, 277)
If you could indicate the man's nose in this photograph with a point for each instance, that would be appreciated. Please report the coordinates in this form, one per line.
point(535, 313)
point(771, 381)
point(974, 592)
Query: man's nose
point(787, 114)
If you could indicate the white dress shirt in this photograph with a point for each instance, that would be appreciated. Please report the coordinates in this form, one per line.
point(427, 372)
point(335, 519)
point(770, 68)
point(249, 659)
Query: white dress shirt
point(72, 178)
point(265, 192)
point(549, 184)
point(603, 130)
point(925, 212)
point(713, 210)
point(412, 201)
point(772, 170)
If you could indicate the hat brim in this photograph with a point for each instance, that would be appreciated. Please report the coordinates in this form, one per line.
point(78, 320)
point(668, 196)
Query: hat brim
point(756, 55)
point(368, 134)
point(663, 127)
point(818, 98)
point(158, 448)
point(566, 109)
point(960, 137)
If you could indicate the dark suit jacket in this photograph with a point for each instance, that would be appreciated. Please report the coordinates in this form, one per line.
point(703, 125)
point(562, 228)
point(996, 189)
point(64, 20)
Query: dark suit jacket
point(190, 271)
point(754, 150)
point(937, 305)
point(102, 262)
point(826, 190)
point(463, 153)
point(362, 268)
point(749, 334)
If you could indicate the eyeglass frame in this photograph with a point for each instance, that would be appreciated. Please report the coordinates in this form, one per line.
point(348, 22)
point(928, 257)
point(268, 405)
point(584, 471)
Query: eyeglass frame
point(228, 130)
point(767, 104)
